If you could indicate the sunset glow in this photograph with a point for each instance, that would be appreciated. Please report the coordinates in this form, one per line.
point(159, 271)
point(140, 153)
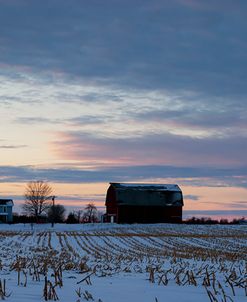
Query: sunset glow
point(150, 92)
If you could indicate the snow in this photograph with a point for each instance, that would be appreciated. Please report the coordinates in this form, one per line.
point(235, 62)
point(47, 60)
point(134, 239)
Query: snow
point(163, 187)
point(118, 288)
point(124, 262)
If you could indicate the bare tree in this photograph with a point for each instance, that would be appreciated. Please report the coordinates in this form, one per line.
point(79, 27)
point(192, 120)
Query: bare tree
point(78, 215)
point(90, 213)
point(37, 198)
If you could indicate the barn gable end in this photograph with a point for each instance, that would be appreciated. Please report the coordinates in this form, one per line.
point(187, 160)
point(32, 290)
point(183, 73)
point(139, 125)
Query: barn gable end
point(144, 203)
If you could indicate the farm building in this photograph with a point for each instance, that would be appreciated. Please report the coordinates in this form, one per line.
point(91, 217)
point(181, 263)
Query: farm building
point(6, 210)
point(143, 203)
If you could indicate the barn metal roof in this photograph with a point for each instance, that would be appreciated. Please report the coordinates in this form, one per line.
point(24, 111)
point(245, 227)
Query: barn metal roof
point(148, 194)
point(6, 202)
point(141, 186)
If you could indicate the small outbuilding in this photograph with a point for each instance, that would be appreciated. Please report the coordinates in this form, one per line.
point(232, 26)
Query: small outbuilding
point(143, 203)
point(6, 206)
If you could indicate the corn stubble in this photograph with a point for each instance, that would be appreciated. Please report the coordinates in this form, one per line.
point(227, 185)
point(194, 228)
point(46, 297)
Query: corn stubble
point(210, 261)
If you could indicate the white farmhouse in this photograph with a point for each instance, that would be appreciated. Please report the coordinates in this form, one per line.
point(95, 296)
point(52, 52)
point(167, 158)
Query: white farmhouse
point(6, 206)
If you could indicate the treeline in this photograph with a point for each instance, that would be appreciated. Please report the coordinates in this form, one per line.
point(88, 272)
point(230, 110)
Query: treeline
point(71, 218)
point(40, 207)
point(208, 220)
point(56, 214)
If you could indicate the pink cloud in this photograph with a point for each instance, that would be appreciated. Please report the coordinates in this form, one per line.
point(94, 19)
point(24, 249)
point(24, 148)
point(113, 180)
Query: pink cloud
point(154, 149)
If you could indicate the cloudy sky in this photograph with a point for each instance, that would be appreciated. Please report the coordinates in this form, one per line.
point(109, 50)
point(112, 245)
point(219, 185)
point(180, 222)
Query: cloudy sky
point(126, 91)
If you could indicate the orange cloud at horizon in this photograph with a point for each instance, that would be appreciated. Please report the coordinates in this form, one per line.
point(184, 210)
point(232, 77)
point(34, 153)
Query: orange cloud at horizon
point(215, 198)
point(78, 195)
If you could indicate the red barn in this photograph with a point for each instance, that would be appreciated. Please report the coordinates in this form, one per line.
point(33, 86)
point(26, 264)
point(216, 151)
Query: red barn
point(143, 203)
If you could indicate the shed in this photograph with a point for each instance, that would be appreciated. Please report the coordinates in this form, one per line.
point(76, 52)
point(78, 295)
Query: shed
point(143, 203)
point(6, 206)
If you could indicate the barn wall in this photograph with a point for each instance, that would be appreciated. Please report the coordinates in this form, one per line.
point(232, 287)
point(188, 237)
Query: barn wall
point(111, 204)
point(148, 214)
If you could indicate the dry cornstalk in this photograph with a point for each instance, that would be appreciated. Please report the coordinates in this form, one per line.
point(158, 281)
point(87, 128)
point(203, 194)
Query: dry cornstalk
point(163, 279)
point(211, 295)
point(25, 278)
point(87, 296)
point(49, 292)
point(231, 285)
point(151, 275)
point(3, 293)
point(223, 292)
point(79, 292)
point(87, 279)
point(58, 275)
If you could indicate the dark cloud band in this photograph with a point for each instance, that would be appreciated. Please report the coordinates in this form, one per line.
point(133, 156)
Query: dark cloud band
point(184, 175)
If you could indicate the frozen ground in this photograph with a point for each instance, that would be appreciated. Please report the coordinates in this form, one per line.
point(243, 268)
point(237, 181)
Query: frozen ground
point(162, 262)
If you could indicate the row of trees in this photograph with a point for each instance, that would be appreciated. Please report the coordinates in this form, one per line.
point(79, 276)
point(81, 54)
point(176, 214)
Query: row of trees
point(88, 215)
point(208, 220)
point(40, 202)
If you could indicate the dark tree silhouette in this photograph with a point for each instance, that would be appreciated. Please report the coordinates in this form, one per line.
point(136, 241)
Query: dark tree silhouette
point(90, 213)
point(71, 218)
point(37, 198)
point(56, 213)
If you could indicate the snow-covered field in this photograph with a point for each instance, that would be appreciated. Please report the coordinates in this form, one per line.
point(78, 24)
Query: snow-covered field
point(115, 263)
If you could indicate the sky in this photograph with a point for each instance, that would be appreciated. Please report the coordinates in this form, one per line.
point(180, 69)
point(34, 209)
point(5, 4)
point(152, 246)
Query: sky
point(139, 91)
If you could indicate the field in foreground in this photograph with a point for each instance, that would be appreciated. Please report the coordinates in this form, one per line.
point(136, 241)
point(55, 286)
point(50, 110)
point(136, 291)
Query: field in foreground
point(114, 263)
